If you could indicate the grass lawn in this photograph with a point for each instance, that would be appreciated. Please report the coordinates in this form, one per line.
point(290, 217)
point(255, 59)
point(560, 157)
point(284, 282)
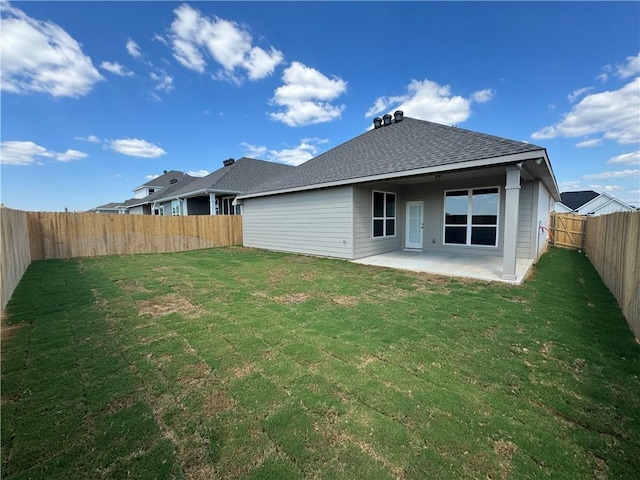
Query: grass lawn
point(237, 363)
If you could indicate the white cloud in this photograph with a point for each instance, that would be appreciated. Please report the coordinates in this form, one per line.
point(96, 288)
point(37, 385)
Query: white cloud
point(605, 188)
point(133, 48)
point(573, 96)
point(305, 150)
point(613, 113)
point(569, 185)
point(70, 155)
point(28, 153)
point(306, 96)
point(483, 96)
point(151, 176)
point(194, 35)
point(631, 158)
point(629, 69)
point(116, 69)
point(89, 138)
point(427, 100)
point(135, 147)
point(594, 142)
point(42, 57)
point(614, 174)
point(164, 82)
point(198, 173)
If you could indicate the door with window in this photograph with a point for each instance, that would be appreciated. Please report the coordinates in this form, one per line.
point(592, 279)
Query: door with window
point(414, 225)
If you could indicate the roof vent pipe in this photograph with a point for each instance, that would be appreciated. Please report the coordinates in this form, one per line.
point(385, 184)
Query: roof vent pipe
point(398, 115)
point(386, 119)
point(377, 122)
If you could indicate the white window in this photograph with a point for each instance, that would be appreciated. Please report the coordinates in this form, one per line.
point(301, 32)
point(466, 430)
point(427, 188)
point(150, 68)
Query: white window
point(384, 214)
point(471, 216)
point(228, 208)
point(176, 207)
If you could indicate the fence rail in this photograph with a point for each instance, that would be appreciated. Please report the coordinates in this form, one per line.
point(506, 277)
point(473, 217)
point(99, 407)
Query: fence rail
point(29, 236)
point(612, 243)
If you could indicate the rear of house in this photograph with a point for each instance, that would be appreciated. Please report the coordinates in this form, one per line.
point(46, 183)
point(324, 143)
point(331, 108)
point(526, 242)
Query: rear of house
point(411, 185)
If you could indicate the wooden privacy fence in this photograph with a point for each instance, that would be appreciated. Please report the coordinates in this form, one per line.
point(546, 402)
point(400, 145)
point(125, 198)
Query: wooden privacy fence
point(69, 235)
point(15, 252)
point(611, 243)
point(568, 230)
point(29, 236)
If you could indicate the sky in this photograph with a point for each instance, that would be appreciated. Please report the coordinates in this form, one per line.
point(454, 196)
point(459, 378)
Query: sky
point(100, 97)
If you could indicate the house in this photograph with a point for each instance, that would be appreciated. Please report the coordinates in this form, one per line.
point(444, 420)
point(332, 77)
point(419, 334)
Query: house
point(215, 193)
point(588, 202)
point(106, 208)
point(145, 195)
point(410, 184)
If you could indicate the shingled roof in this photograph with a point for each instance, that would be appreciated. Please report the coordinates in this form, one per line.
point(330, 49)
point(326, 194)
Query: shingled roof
point(575, 200)
point(404, 146)
point(240, 176)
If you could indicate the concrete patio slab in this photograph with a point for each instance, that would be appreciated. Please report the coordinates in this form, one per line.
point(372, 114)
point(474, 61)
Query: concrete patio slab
point(459, 265)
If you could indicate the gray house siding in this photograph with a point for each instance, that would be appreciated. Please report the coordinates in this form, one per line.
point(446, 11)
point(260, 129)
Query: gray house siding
point(364, 244)
point(526, 218)
point(545, 204)
point(317, 222)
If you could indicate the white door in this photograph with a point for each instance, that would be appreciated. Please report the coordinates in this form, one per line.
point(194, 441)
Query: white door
point(414, 225)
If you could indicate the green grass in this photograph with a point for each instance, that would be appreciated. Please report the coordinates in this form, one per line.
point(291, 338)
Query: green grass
point(236, 363)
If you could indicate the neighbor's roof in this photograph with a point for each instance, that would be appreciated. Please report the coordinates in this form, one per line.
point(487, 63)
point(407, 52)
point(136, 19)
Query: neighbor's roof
point(403, 146)
point(169, 191)
point(575, 200)
point(164, 180)
point(106, 206)
point(242, 175)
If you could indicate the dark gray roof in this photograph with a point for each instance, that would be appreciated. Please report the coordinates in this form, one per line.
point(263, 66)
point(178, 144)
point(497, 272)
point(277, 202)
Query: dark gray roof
point(240, 176)
point(165, 192)
point(575, 200)
point(106, 206)
point(407, 145)
point(165, 179)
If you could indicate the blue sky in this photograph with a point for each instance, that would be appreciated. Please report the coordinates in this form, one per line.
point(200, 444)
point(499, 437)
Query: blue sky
point(98, 97)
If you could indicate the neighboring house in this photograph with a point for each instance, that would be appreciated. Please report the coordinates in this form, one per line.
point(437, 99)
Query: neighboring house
point(409, 184)
point(215, 193)
point(588, 202)
point(146, 194)
point(106, 208)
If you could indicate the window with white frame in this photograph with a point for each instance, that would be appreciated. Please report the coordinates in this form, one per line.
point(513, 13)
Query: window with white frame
point(471, 216)
point(176, 207)
point(384, 214)
point(228, 208)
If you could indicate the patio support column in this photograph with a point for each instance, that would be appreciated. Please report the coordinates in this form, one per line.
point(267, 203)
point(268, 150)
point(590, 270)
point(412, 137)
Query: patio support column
point(212, 204)
point(511, 211)
point(185, 210)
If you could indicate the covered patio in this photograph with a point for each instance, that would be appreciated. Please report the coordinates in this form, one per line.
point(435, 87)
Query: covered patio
point(485, 268)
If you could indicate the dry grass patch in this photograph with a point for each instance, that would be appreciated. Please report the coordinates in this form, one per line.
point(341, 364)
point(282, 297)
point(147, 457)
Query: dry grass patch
point(131, 286)
point(217, 402)
point(504, 449)
point(243, 370)
point(166, 305)
point(291, 298)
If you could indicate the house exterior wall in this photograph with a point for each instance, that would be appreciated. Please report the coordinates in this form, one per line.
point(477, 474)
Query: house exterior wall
point(364, 244)
point(432, 194)
point(527, 217)
point(198, 205)
point(315, 222)
point(611, 207)
point(140, 210)
point(545, 206)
